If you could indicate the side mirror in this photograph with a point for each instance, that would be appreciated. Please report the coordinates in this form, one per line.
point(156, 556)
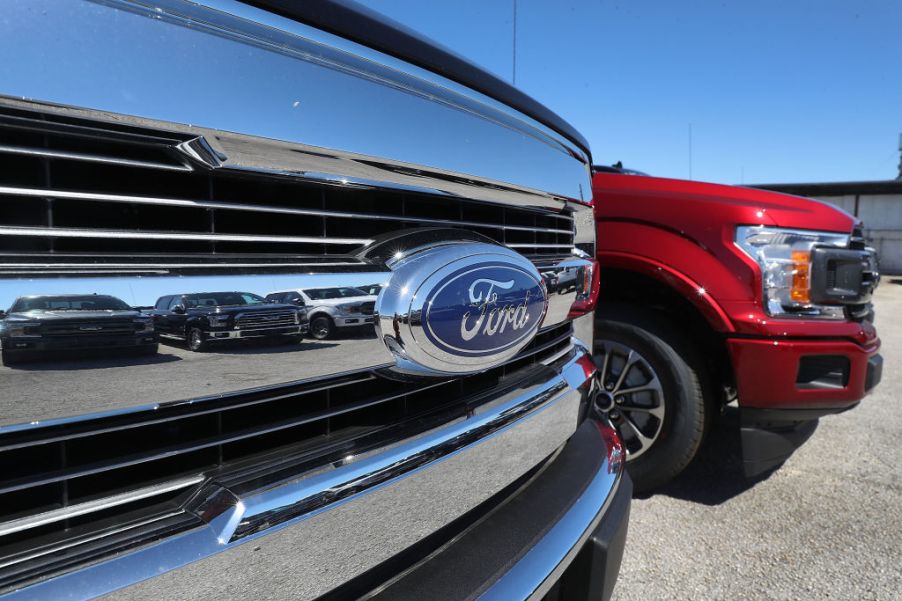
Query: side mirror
point(180, 309)
point(2, 314)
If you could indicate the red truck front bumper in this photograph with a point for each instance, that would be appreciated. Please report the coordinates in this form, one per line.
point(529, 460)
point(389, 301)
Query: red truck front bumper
point(790, 373)
point(808, 374)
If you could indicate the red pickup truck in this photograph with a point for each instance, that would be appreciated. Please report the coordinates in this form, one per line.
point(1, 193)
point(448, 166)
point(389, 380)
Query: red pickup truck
point(713, 293)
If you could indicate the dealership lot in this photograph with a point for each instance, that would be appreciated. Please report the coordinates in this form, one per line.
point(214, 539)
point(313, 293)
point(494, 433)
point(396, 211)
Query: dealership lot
point(824, 526)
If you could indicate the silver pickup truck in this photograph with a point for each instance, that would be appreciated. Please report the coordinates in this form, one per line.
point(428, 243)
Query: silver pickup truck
point(153, 147)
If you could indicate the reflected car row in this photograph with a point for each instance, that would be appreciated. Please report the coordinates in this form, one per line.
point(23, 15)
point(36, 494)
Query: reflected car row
point(562, 280)
point(36, 325)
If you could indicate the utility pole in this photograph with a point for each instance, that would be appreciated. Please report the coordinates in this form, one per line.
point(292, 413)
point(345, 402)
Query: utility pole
point(514, 69)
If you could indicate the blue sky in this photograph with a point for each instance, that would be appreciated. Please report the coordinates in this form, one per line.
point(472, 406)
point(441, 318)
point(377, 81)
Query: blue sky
point(775, 91)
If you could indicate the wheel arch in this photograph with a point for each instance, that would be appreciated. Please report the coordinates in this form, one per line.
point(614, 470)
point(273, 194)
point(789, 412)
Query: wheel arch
point(645, 283)
point(319, 313)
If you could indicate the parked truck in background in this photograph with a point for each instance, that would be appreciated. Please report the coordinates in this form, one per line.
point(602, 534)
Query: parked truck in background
point(713, 293)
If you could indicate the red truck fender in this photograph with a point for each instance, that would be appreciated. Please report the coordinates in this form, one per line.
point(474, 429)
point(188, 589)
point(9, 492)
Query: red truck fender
point(620, 251)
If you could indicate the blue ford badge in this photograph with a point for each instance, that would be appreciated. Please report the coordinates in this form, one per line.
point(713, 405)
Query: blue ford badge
point(481, 311)
point(460, 308)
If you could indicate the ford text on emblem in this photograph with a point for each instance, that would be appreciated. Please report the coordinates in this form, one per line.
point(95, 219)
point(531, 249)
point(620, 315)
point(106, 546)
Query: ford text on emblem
point(481, 311)
point(460, 308)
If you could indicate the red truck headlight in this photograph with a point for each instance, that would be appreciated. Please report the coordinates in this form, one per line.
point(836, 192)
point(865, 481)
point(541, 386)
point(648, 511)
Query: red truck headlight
point(784, 256)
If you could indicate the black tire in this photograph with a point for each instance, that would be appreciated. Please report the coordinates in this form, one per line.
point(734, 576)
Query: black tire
point(679, 387)
point(196, 340)
point(321, 327)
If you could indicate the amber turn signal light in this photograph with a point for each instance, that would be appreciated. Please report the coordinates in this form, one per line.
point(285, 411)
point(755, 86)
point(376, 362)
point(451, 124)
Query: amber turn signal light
point(801, 282)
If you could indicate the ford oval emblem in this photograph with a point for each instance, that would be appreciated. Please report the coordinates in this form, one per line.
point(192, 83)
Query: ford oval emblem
point(484, 310)
point(460, 308)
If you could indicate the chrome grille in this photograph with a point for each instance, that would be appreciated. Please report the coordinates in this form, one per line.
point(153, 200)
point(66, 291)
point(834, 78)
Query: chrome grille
point(368, 308)
point(89, 328)
point(81, 195)
point(266, 319)
point(71, 492)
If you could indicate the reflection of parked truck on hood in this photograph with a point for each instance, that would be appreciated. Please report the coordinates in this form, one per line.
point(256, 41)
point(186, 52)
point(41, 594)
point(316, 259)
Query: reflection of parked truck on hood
point(210, 317)
point(712, 293)
point(330, 308)
point(73, 322)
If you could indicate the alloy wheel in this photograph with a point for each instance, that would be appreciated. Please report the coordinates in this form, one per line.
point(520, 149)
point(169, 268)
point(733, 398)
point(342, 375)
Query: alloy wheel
point(630, 394)
point(195, 339)
point(321, 328)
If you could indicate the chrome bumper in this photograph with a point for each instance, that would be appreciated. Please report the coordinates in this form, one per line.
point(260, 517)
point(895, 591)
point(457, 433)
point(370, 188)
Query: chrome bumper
point(256, 333)
point(350, 321)
point(312, 534)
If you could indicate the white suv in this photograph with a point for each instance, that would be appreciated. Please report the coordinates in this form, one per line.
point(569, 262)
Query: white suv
point(330, 308)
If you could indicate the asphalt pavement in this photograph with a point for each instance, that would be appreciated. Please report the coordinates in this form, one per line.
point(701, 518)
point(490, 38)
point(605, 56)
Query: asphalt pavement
point(825, 525)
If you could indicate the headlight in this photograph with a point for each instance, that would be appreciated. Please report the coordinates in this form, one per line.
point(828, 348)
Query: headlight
point(22, 329)
point(218, 321)
point(143, 325)
point(349, 308)
point(785, 259)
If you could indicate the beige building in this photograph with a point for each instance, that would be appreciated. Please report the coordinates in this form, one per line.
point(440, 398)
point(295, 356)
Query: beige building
point(877, 203)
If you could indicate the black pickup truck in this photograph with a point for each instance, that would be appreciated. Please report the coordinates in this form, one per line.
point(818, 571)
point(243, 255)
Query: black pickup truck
point(205, 317)
point(73, 322)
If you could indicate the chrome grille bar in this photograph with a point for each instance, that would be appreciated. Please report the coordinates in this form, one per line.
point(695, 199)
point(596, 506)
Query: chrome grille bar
point(65, 513)
point(51, 232)
point(203, 204)
point(94, 158)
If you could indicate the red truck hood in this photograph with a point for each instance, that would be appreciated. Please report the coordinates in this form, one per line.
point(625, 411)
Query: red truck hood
point(764, 207)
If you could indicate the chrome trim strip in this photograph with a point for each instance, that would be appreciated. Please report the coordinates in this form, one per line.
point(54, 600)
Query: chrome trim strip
point(59, 154)
point(206, 204)
point(308, 496)
point(345, 514)
point(44, 268)
point(535, 573)
point(562, 353)
point(529, 245)
point(51, 232)
point(70, 544)
point(58, 515)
